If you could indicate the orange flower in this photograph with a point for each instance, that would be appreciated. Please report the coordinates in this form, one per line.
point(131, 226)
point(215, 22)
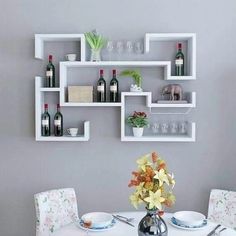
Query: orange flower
point(161, 166)
point(149, 171)
point(133, 183)
point(154, 157)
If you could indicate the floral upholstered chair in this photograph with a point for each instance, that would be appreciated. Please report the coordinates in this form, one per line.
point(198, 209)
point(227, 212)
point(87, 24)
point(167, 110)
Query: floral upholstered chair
point(55, 209)
point(222, 207)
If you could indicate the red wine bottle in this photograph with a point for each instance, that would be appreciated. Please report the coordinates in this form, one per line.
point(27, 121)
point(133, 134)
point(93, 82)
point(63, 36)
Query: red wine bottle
point(114, 88)
point(58, 122)
point(101, 88)
point(50, 74)
point(179, 61)
point(45, 125)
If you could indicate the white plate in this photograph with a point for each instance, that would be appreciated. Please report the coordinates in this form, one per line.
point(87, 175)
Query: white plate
point(204, 224)
point(98, 219)
point(189, 218)
point(80, 224)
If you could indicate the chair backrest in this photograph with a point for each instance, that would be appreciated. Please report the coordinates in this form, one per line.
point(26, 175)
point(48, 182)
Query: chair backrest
point(54, 209)
point(222, 207)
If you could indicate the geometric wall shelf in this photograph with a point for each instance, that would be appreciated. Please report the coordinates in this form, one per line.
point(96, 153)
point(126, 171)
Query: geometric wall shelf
point(155, 108)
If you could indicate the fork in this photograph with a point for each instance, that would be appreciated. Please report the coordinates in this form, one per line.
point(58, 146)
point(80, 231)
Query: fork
point(126, 218)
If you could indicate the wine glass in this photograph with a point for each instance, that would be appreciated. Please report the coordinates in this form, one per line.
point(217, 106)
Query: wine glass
point(120, 47)
point(87, 225)
point(183, 127)
point(155, 128)
point(164, 128)
point(138, 47)
point(110, 48)
point(129, 46)
point(173, 127)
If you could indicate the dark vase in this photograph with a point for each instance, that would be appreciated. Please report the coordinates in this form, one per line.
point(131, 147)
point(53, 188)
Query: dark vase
point(152, 224)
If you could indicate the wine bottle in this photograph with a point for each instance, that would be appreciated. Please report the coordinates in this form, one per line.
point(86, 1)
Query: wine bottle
point(179, 61)
point(114, 88)
point(58, 122)
point(50, 74)
point(45, 127)
point(101, 88)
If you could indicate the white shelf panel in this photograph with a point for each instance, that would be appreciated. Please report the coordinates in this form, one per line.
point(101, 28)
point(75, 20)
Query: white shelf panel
point(49, 89)
point(40, 39)
point(179, 78)
point(92, 104)
point(62, 139)
point(115, 63)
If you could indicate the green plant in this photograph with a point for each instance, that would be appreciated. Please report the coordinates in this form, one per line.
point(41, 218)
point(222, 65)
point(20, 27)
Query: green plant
point(138, 120)
point(95, 41)
point(134, 74)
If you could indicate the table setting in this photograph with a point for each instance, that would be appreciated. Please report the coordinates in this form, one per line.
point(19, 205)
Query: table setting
point(153, 187)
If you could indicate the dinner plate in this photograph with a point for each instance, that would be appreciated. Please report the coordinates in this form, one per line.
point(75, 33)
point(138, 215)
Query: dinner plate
point(186, 227)
point(189, 218)
point(97, 229)
point(98, 219)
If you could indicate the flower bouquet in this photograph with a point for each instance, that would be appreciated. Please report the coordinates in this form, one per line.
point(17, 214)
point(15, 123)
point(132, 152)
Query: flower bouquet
point(153, 187)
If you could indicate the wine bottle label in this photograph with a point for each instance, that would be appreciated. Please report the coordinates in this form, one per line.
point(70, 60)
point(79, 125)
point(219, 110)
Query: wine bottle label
point(57, 122)
point(179, 62)
point(45, 122)
point(113, 88)
point(100, 88)
point(49, 73)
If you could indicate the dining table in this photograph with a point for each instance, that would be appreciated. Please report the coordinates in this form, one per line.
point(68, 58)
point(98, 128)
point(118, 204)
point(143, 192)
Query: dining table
point(123, 229)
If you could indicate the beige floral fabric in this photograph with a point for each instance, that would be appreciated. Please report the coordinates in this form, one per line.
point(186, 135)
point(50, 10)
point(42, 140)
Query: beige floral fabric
point(54, 209)
point(222, 207)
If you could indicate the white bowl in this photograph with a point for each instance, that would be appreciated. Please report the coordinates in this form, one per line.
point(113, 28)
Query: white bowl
point(189, 218)
point(98, 219)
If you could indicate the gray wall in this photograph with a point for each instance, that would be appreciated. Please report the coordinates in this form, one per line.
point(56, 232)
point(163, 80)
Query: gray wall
point(99, 170)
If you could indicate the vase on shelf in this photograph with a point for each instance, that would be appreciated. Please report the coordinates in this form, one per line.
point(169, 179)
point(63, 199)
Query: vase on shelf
point(138, 132)
point(152, 224)
point(95, 55)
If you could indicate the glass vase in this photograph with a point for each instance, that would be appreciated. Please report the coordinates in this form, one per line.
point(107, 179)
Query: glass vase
point(95, 55)
point(152, 224)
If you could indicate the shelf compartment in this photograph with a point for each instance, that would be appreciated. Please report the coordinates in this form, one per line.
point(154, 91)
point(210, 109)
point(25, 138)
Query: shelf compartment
point(40, 39)
point(189, 137)
point(190, 97)
point(191, 54)
point(81, 138)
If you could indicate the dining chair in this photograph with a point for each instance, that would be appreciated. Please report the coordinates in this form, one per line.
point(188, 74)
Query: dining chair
point(55, 209)
point(222, 207)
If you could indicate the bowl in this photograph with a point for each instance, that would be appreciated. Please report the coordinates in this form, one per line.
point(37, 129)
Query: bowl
point(98, 219)
point(189, 218)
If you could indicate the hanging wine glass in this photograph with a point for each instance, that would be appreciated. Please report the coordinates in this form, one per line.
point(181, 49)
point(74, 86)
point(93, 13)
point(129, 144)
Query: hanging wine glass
point(110, 48)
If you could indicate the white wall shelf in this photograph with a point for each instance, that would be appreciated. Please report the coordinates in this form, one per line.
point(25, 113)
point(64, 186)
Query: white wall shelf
point(39, 101)
point(173, 108)
point(40, 39)
point(175, 37)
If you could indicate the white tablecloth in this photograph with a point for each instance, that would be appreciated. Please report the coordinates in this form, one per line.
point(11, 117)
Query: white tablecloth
point(122, 229)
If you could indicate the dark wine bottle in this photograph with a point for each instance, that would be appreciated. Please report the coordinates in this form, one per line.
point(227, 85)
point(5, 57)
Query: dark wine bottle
point(101, 88)
point(50, 74)
point(45, 127)
point(114, 88)
point(179, 61)
point(58, 122)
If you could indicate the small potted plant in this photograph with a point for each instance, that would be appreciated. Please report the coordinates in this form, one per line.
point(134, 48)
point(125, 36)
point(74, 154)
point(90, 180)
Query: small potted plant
point(153, 185)
point(138, 121)
point(137, 78)
point(96, 43)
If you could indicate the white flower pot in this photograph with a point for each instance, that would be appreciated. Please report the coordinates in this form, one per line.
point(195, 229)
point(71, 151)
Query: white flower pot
point(138, 132)
point(135, 88)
